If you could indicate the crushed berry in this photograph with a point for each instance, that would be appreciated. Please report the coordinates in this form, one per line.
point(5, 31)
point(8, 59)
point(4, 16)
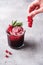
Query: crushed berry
point(6, 51)
point(10, 53)
point(16, 30)
point(6, 56)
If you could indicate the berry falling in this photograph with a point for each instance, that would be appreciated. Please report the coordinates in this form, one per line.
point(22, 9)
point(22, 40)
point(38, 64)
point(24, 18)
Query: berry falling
point(30, 21)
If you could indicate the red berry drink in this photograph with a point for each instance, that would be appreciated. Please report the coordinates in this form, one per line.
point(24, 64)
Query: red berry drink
point(15, 36)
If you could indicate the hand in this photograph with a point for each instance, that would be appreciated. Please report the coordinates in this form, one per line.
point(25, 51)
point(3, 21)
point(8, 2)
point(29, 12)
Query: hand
point(35, 8)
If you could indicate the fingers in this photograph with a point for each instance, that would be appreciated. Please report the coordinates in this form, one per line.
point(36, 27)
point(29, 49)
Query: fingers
point(33, 13)
point(34, 5)
point(33, 8)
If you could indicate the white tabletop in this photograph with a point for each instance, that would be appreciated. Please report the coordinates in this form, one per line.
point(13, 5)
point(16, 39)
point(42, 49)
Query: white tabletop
point(32, 52)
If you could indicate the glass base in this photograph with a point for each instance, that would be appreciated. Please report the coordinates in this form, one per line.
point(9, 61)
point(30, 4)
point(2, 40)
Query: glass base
point(21, 46)
point(17, 47)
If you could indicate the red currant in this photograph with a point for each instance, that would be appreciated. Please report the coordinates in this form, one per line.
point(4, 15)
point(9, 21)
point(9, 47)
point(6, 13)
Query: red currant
point(7, 51)
point(7, 56)
point(30, 24)
point(9, 29)
point(29, 18)
point(30, 21)
point(10, 53)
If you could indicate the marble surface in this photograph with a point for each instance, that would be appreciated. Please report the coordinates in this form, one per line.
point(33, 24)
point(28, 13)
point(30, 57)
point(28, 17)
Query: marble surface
point(32, 52)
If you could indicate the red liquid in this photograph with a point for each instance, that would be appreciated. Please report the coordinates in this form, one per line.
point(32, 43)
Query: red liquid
point(15, 43)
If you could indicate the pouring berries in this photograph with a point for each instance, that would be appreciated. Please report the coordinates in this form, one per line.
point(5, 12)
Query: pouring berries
point(30, 21)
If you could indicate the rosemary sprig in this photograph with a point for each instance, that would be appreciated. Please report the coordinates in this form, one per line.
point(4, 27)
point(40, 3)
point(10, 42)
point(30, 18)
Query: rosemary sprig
point(15, 23)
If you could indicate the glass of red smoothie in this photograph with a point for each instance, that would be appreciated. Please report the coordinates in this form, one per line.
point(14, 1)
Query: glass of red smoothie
point(15, 35)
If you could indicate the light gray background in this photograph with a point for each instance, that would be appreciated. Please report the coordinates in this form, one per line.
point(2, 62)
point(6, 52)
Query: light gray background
point(32, 52)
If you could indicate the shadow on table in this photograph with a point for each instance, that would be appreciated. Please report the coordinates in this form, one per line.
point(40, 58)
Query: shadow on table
point(30, 45)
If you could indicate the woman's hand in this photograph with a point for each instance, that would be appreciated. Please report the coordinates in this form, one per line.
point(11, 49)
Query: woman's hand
point(35, 8)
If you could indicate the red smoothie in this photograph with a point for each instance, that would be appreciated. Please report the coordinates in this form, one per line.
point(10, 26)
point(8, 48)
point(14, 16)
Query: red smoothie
point(15, 35)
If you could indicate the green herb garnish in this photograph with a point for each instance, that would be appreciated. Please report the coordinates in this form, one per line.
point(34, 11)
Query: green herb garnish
point(15, 23)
